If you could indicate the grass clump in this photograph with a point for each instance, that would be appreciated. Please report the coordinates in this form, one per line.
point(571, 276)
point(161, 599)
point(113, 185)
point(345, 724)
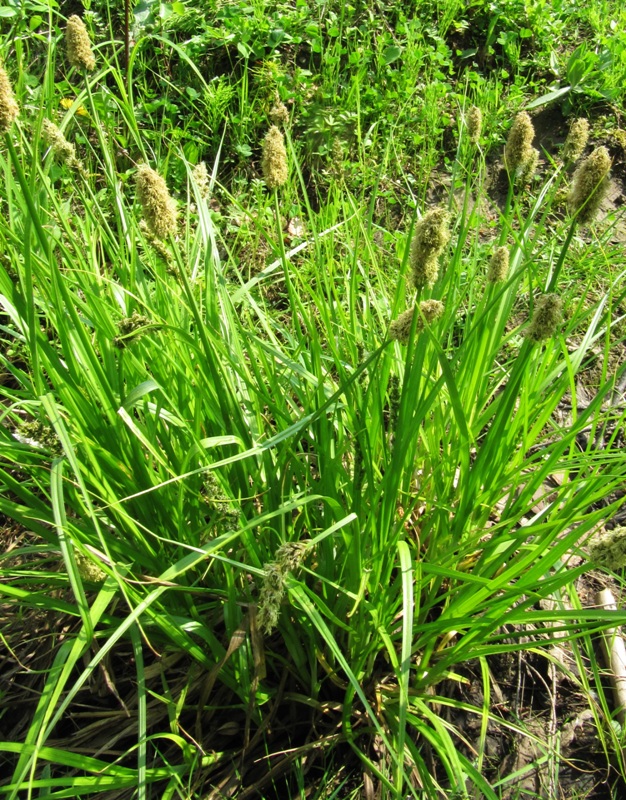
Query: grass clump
point(262, 520)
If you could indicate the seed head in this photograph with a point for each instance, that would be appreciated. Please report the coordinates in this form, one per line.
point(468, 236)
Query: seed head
point(576, 140)
point(159, 210)
point(474, 124)
point(529, 167)
point(200, 175)
point(609, 549)
point(89, 570)
point(41, 435)
point(431, 237)
point(518, 149)
point(400, 328)
point(228, 513)
point(279, 115)
point(274, 159)
point(9, 109)
point(590, 185)
point(394, 401)
point(290, 554)
point(78, 44)
point(431, 310)
point(130, 329)
point(547, 316)
point(62, 150)
point(498, 266)
point(288, 558)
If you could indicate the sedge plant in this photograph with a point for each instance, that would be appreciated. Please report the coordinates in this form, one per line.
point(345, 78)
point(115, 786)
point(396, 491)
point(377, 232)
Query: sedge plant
point(319, 504)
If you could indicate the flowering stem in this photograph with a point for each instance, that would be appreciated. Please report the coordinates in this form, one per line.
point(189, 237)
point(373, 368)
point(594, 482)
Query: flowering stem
point(126, 33)
point(507, 209)
point(559, 264)
point(283, 255)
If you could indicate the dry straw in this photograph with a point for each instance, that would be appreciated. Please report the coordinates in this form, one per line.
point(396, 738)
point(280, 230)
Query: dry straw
point(78, 45)
point(9, 109)
point(159, 210)
point(274, 159)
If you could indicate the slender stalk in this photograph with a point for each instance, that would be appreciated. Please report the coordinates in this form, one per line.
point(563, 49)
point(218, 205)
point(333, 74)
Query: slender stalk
point(126, 33)
point(28, 285)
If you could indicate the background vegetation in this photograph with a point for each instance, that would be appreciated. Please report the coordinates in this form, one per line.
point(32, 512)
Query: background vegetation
point(253, 545)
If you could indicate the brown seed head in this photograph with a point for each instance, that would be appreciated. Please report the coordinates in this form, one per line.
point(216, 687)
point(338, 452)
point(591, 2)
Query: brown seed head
point(547, 316)
point(518, 149)
point(590, 185)
point(159, 210)
point(78, 44)
point(498, 266)
point(9, 109)
point(474, 124)
point(274, 159)
point(576, 140)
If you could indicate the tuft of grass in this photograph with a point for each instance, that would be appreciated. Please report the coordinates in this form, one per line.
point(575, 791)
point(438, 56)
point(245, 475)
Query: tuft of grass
point(242, 496)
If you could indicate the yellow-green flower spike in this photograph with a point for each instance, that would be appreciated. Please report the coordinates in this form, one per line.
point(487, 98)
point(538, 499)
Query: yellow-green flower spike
point(431, 237)
point(400, 328)
point(274, 159)
point(519, 150)
point(474, 124)
point(78, 45)
point(576, 140)
point(609, 549)
point(498, 266)
point(62, 150)
point(288, 558)
point(159, 210)
point(590, 185)
point(279, 115)
point(9, 109)
point(547, 316)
